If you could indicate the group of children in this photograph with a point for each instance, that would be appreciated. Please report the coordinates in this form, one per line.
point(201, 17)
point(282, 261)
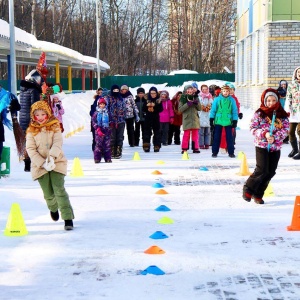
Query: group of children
point(154, 115)
point(200, 113)
point(207, 116)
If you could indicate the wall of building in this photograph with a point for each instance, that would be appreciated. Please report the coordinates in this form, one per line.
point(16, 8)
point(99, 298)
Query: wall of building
point(252, 14)
point(285, 10)
point(267, 48)
point(265, 57)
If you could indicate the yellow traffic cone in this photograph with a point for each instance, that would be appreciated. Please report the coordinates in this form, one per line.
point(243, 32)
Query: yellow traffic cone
point(76, 168)
point(244, 170)
point(269, 191)
point(185, 156)
point(240, 155)
point(15, 225)
point(136, 156)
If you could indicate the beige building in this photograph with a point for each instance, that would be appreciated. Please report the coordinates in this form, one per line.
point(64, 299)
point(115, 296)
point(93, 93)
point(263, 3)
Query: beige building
point(267, 48)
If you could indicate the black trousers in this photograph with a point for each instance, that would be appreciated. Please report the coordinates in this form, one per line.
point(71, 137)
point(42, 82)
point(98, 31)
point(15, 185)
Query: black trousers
point(152, 125)
point(117, 135)
point(174, 130)
point(137, 130)
point(164, 131)
point(266, 165)
point(130, 131)
point(94, 138)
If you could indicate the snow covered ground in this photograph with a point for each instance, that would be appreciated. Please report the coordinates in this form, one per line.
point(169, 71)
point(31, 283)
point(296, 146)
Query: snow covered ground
point(219, 246)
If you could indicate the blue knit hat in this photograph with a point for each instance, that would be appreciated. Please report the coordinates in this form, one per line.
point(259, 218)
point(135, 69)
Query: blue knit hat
point(231, 85)
point(194, 85)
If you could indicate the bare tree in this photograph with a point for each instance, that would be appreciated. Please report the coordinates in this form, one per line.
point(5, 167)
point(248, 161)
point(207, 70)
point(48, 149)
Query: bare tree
point(3, 9)
point(137, 36)
point(201, 33)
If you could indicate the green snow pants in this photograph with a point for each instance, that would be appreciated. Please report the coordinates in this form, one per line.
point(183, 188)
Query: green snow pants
point(52, 184)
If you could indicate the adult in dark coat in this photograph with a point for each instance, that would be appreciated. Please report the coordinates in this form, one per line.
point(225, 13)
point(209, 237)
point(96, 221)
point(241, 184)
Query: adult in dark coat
point(140, 101)
point(117, 112)
point(151, 111)
point(30, 92)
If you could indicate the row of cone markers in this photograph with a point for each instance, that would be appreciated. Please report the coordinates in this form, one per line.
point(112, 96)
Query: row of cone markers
point(156, 250)
point(16, 226)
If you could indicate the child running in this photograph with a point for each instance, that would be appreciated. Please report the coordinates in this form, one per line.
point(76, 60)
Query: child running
point(268, 142)
point(48, 163)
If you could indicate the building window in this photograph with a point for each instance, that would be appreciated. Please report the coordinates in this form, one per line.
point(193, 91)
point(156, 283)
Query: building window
point(239, 64)
point(254, 58)
point(261, 54)
point(245, 67)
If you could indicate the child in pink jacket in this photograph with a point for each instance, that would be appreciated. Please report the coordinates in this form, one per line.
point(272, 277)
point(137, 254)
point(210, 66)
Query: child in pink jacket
point(166, 117)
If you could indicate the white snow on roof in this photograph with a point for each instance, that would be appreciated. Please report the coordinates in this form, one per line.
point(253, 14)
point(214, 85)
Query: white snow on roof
point(51, 47)
point(21, 36)
point(93, 60)
point(24, 37)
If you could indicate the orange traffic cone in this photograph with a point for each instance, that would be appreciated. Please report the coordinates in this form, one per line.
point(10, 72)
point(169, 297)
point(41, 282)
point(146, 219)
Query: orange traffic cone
point(154, 250)
point(162, 192)
point(295, 226)
point(244, 170)
point(156, 172)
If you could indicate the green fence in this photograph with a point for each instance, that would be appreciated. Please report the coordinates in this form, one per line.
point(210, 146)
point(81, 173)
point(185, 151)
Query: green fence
point(171, 80)
point(135, 81)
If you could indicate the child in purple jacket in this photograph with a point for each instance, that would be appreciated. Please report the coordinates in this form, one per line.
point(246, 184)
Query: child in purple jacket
point(267, 142)
point(58, 110)
point(166, 117)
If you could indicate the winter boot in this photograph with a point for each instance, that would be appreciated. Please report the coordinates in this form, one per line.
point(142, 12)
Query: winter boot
point(258, 200)
point(286, 140)
point(27, 163)
point(295, 149)
point(297, 156)
point(146, 147)
point(68, 225)
point(54, 216)
point(246, 195)
point(183, 150)
point(156, 148)
point(113, 151)
point(118, 152)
